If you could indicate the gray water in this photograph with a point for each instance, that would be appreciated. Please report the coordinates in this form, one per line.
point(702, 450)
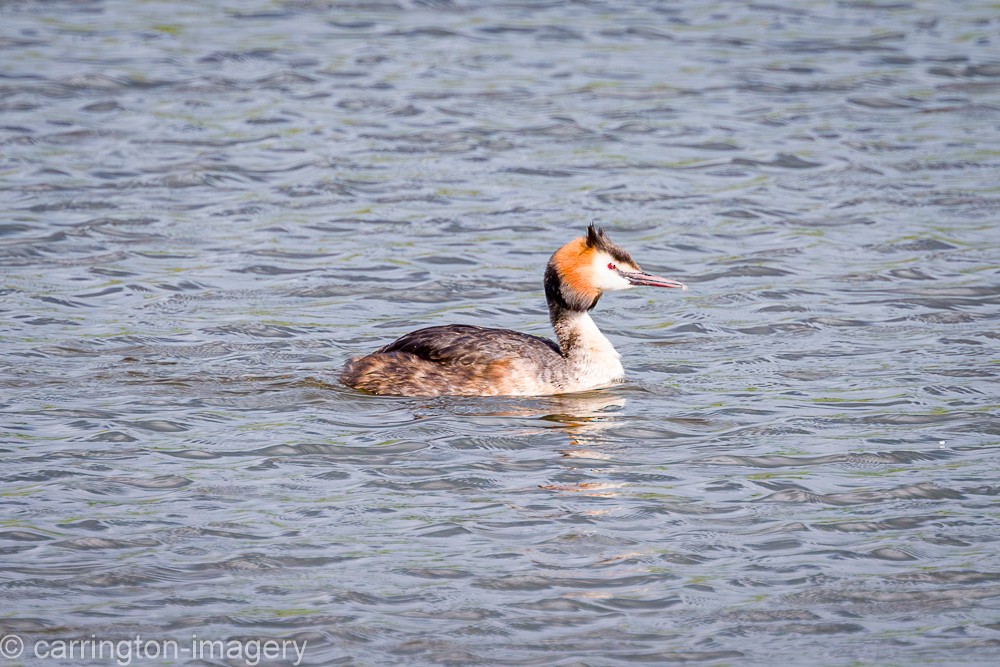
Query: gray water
point(208, 207)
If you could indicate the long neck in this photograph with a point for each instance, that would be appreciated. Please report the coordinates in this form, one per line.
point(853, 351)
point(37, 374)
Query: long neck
point(580, 341)
point(579, 337)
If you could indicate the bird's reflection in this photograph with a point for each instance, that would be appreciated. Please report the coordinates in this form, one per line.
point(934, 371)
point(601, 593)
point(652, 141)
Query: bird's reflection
point(581, 416)
point(572, 410)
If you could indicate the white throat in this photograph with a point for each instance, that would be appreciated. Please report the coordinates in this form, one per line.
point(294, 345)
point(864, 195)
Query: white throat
point(592, 359)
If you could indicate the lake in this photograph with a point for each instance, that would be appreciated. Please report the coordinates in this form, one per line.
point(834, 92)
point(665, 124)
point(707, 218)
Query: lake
point(209, 207)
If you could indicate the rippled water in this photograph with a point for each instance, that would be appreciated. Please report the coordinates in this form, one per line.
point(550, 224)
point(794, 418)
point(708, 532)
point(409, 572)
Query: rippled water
point(208, 207)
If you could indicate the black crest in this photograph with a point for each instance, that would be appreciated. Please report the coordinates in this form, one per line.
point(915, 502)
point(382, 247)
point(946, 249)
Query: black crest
point(598, 239)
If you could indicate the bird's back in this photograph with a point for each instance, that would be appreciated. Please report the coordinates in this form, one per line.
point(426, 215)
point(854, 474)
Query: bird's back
point(459, 359)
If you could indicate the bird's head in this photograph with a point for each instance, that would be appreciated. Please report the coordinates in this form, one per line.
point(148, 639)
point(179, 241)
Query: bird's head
point(583, 269)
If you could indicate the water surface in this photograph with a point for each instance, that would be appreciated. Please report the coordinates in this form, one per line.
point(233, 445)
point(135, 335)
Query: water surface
point(208, 207)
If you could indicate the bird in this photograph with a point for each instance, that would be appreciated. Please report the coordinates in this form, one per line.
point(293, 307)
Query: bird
point(468, 360)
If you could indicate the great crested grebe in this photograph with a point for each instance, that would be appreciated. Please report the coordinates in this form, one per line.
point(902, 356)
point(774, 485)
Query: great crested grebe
point(465, 360)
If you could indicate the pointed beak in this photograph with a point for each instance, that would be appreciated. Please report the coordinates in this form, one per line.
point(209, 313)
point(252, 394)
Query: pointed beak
point(643, 278)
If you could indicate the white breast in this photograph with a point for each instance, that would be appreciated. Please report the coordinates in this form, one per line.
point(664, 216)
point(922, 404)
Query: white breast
point(593, 360)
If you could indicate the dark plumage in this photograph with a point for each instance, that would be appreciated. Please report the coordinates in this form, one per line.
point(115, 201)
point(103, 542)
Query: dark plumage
point(450, 359)
point(458, 344)
point(598, 240)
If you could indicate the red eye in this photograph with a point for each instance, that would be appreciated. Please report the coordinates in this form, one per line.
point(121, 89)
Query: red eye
point(612, 267)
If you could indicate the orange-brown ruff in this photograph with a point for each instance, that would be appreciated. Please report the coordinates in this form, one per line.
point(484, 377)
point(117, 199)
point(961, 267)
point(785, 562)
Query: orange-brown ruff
point(464, 360)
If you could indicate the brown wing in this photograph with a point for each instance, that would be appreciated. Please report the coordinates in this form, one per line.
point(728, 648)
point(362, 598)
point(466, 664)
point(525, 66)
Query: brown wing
point(466, 345)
